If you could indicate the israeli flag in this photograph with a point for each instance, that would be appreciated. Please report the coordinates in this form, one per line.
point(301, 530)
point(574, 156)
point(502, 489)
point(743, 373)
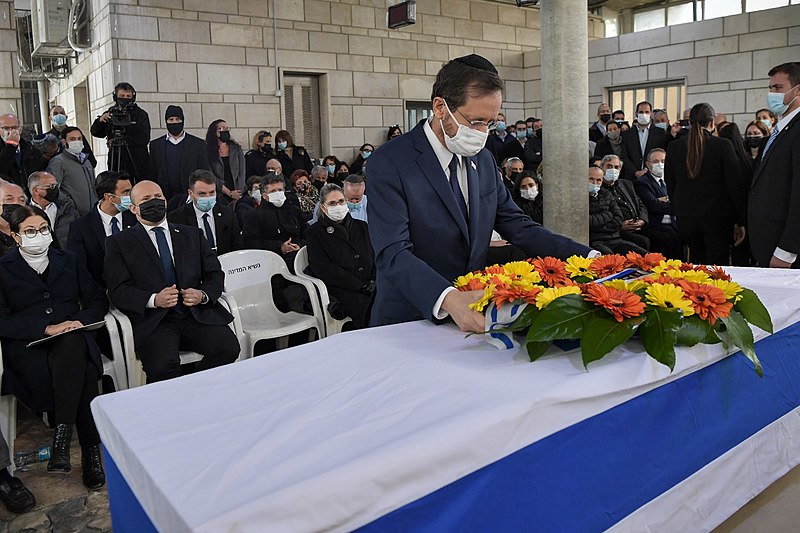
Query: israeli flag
point(499, 319)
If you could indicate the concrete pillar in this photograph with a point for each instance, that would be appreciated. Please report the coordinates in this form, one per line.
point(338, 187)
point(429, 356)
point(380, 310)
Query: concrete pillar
point(10, 94)
point(565, 96)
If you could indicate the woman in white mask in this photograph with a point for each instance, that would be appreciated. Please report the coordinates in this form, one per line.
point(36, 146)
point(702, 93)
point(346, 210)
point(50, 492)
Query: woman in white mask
point(340, 254)
point(527, 194)
point(47, 292)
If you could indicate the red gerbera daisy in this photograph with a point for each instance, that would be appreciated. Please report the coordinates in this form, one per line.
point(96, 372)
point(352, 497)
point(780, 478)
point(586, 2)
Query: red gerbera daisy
point(621, 304)
point(510, 294)
point(709, 302)
point(494, 269)
point(718, 273)
point(605, 265)
point(551, 270)
point(647, 262)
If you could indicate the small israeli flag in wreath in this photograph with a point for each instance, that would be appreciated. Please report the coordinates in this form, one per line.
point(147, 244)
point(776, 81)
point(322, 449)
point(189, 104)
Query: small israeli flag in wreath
point(499, 319)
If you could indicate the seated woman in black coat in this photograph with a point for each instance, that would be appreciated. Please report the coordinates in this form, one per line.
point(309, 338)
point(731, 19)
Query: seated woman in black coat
point(340, 254)
point(43, 293)
point(527, 194)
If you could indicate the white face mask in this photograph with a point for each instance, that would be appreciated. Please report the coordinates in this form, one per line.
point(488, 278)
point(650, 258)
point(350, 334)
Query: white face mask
point(529, 194)
point(75, 147)
point(643, 119)
point(612, 175)
point(337, 212)
point(657, 170)
point(256, 195)
point(467, 142)
point(277, 198)
point(37, 245)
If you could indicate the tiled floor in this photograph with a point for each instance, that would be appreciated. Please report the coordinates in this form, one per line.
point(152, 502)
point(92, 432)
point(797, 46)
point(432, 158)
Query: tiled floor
point(63, 504)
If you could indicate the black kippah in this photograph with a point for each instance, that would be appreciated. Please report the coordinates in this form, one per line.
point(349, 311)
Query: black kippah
point(476, 61)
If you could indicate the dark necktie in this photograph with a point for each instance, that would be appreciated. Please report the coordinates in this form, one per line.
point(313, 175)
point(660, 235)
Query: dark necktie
point(453, 168)
point(114, 226)
point(166, 256)
point(662, 184)
point(209, 233)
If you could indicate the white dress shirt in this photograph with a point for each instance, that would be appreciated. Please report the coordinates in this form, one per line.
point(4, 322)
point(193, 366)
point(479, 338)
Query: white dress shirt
point(200, 224)
point(643, 134)
point(151, 303)
point(783, 255)
point(178, 139)
point(51, 210)
point(106, 219)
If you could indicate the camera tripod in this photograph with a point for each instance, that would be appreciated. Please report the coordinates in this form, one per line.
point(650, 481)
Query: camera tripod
point(117, 148)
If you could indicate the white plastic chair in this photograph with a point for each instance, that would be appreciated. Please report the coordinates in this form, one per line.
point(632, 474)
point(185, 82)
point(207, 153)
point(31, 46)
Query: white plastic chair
point(8, 418)
point(135, 371)
point(248, 290)
point(115, 368)
point(332, 326)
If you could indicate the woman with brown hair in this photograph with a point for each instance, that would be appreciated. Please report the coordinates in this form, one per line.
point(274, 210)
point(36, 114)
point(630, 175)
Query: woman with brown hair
point(226, 158)
point(754, 135)
point(290, 156)
point(706, 190)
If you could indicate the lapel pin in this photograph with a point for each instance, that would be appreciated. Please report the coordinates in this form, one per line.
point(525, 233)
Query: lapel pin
point(474, 166)
point(330, 229)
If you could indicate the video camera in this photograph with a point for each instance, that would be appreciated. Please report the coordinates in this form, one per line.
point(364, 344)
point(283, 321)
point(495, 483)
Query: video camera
point(120, 116)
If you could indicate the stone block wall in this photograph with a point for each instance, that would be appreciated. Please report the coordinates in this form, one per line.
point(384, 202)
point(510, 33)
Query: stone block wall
point(722, 61)
point(217, 59)
point(10, 95)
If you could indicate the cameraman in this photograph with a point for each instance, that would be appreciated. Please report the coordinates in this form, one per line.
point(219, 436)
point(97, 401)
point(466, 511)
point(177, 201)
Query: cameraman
point(127, 143)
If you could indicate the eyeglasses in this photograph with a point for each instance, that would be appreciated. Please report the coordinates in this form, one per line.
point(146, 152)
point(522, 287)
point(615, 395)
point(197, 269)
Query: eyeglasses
point(476, 124)
point(9, 128)
point(31, 233)
point(334, 204)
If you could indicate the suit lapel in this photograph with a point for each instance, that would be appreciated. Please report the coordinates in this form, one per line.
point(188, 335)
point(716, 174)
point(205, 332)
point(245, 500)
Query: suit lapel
point(474, 191)
point(141, 234)
point(96, 223)
point(780, 137)
point(429, 164)
point(191, 219)
point(178, 250)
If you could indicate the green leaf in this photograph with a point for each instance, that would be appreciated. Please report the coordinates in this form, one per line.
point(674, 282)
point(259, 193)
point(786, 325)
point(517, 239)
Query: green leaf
point(741, 335)
point(562, 319)
point(712, 337)
point(693, 331)
point(601, 335)
point(753, 310)
point(536, 349)
point(659, 333)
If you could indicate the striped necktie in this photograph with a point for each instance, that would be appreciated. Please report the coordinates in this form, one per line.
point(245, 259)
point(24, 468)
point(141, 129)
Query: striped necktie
point(769, 142)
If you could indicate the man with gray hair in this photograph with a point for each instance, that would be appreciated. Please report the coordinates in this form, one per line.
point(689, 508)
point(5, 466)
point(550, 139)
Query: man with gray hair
point(652, 190)
point(18, 157)
point(512, 168)
point(319, 174)
point(634, 213)
point(60, 209)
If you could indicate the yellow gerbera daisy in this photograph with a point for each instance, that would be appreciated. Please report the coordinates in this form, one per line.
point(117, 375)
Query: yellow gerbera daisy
point(669, 296)
point(695, 276)
point(669, 264)
point(481, 304)
point(730, 288)
point(579, 266)
point(623, 285)
point(544, 298)
point(522, 270)
point(470, 281)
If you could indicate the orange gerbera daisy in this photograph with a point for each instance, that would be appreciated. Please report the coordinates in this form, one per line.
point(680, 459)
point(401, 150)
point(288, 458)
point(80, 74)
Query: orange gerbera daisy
point(494, 269)
point(605, 265)
point(718, 273)
point(510, 294)
point(661, 278)
point(686, 267)
point(551, 270)
point(621, 304)
point(474, 284)
point(709, 302)
point(647, 262)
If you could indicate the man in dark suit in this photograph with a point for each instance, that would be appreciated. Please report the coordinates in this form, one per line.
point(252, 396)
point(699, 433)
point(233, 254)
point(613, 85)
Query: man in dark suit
point(774, 201)
point(172, 305)
point(176, 155)
point(639, 140)
point(45, 194)
point(435, 197)
point(598, 130)
point(652, 190)
point(217, 221)
point(634, 213)
point(516, 147)
point(87, 234)
point(18, 157)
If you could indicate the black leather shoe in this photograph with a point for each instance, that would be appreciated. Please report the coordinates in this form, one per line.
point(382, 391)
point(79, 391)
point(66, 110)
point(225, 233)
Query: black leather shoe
point(59, 454)
point(15, 496)
point(93, 475)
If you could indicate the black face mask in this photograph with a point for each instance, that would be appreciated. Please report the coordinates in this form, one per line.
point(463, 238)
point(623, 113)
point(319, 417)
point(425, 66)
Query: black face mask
point(225, 136)
point(539, 132)
point(174, 128)
point(342, 175)
point(124, 101)
point(52, 194)
point(8, 209)
point(514, 176)
point(153, 210)
point(604, 118)
point(752, 142)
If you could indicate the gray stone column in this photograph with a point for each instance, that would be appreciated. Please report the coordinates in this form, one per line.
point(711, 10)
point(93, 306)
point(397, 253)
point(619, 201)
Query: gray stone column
point(10, 94)
point(565, 95)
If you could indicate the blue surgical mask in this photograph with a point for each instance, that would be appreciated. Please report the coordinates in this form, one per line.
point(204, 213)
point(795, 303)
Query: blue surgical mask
point(501, 126)
point(354, 206)
point(594, 188)
point(124, 203)
point(282, 145)
point(775, 102)
point(60, 119)
point(662, 125)
point(331, 169)
point(529, 133)
point(206, 203)
point(366, 153)
point(522, 134)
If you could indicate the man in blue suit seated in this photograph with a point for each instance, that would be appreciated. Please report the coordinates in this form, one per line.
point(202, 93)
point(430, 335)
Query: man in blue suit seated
point(436, 195)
